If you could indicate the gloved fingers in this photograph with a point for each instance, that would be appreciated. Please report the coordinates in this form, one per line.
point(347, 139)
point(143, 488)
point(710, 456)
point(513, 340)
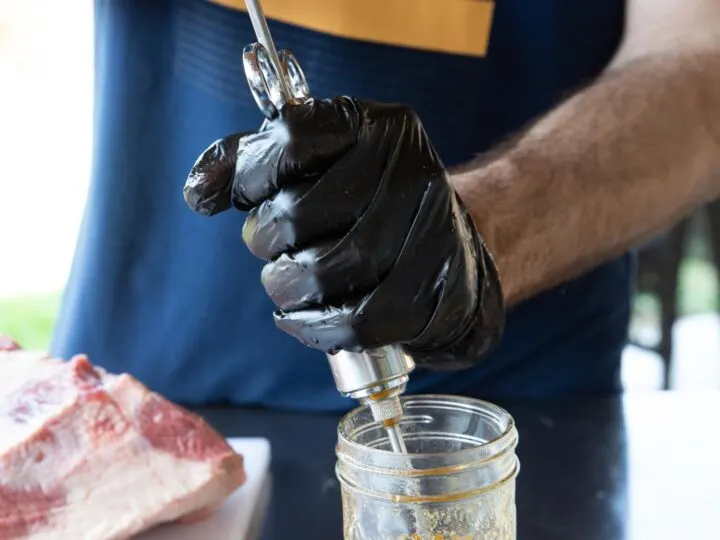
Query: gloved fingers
point(256, 170)
point(271, 227)
point(373, 322)
point(328, 329)
point(208, 186)
point(309, 214)
point(321, 131)
point(403, 302)
point(333, 270)
point(295, 149)
point(398, 309)
point(319, 275)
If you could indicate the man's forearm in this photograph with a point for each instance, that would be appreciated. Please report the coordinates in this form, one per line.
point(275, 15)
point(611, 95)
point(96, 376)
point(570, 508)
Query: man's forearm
point(615, 164)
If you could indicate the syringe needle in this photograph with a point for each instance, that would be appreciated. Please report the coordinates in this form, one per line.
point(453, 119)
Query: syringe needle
point(397, 442)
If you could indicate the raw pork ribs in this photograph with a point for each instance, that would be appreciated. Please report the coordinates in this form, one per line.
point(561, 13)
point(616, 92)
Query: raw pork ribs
point(86, 455)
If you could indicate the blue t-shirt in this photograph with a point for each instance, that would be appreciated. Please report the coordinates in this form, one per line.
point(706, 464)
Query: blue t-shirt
point(175, 298)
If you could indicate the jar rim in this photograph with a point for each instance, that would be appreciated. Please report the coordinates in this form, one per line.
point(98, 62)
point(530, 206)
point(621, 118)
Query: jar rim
point(506, 439)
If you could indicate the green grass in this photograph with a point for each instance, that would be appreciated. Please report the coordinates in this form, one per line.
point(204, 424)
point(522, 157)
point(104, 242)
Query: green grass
point(698, 287)
point(30, 319)
point(697, 291)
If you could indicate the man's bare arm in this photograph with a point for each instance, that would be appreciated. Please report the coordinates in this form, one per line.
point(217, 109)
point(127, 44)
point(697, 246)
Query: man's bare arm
point(616, 163)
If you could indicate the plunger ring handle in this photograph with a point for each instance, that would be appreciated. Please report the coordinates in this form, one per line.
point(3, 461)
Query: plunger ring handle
point(294, 76)
point(263, 79)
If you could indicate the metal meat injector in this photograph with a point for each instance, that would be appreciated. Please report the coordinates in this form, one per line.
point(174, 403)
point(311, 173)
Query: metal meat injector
point(375, 377)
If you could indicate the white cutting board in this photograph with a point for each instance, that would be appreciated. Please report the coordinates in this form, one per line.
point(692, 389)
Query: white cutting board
point(239, 517)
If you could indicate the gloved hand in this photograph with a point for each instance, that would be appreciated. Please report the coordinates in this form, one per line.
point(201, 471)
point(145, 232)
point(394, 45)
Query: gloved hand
point(367, 242)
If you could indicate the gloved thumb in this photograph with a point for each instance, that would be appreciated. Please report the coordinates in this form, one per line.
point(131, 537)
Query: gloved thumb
point(208, 188)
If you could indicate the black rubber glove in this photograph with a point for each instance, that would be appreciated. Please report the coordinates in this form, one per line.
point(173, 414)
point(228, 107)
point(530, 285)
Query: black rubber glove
point(368, 243)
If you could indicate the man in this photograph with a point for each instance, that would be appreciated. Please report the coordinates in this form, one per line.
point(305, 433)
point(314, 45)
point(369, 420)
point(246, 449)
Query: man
point(174, 297)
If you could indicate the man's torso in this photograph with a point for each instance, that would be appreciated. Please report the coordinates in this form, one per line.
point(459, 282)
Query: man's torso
point(176, 298)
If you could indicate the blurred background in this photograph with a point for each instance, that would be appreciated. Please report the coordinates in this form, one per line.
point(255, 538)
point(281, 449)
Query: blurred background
point(46, 119)
point(45, 146)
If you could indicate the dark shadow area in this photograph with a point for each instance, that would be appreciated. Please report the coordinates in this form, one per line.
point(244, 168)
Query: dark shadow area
point(573, 470)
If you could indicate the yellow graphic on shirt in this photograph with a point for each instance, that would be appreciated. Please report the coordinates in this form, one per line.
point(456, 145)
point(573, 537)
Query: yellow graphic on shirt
point(450, 26)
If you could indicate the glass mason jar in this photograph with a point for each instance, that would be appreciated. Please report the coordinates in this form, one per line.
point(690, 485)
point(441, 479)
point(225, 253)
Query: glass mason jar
point(457, 481)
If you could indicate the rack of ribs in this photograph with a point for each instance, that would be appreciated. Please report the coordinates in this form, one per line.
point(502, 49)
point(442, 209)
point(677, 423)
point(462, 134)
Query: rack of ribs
point(90, 455)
